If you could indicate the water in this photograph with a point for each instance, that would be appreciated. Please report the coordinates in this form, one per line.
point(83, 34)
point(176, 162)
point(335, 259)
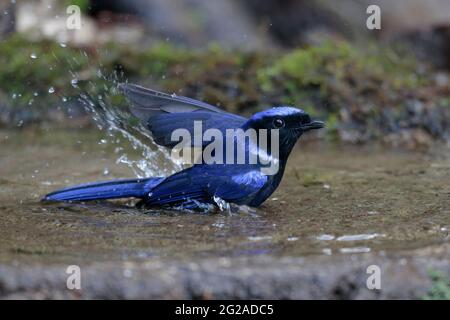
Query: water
point(378, 201)
point(115, 122)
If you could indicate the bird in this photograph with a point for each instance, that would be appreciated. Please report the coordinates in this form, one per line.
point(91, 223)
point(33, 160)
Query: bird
point(202, 183)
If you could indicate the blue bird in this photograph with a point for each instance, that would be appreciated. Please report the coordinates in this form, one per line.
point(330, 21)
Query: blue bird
point(242, 184)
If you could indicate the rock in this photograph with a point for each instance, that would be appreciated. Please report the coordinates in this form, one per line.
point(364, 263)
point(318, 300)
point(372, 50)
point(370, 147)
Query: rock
point(326, 277)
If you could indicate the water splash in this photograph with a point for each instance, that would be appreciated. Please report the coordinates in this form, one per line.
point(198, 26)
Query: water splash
point(74, 82)
point(117, 122)
point(222, 204)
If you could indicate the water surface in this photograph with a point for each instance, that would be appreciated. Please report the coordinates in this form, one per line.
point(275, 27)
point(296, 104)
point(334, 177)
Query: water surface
point(332, 201)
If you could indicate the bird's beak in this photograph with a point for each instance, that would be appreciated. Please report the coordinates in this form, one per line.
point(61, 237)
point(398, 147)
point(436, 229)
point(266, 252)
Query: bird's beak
point(313, 125)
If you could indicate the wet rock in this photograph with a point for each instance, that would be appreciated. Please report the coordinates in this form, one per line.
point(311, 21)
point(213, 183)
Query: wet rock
point(334, 277)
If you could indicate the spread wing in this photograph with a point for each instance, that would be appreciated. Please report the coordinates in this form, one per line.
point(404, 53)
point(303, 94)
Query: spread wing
point(163, 113)
point(148, 102)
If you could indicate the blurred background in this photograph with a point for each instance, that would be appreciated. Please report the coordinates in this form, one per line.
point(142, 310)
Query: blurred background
point(371, 188)
point(387, 85)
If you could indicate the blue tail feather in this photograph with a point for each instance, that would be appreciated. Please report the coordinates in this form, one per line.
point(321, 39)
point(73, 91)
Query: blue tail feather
point(123, 188)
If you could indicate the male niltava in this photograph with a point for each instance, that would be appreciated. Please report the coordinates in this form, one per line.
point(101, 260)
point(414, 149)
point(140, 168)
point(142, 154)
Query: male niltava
point(239, 183)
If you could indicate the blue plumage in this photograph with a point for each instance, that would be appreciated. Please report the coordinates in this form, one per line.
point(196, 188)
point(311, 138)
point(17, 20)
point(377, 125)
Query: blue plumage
point(162, 125)
point(202, 183)
point(122, 188)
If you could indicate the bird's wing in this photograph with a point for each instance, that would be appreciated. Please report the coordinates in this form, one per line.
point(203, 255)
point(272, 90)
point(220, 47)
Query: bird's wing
point(147, 102)
point(239, 185)
point(231, 183)
point(163, 113)
point(163, 125)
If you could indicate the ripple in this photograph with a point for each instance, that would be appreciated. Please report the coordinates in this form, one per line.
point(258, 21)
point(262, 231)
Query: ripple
point(325, 237)
point(358, 237)
point(355, 250)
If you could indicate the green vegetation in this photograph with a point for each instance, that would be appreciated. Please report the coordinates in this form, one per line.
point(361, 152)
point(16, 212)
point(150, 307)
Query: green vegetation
point(365, 90)
point(28, 70)
point(83, 4)
point(440, 289)
point(339, 68)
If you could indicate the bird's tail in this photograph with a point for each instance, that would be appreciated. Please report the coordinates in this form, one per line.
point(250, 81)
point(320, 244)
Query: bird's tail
point(113, 189)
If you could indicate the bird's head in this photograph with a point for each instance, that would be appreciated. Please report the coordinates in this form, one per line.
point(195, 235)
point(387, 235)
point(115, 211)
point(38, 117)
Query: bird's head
point(291, 123)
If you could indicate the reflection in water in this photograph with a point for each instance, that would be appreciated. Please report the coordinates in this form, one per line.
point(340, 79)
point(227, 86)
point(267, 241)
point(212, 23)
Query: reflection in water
point(358, 237)
point(355, 250)
point(325, 237)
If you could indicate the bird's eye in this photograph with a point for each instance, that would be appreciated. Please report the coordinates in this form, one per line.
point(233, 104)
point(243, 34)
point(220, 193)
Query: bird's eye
point(278, 123)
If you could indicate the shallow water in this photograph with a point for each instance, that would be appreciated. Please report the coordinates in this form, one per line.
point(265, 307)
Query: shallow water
point(333, 200)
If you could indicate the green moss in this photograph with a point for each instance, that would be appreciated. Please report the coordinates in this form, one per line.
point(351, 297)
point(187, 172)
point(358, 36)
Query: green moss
point(40, 74)
point(440, 289)
point(29, 70)
point(348, 86)
point(83, 4)
point(337, 78)
point(339, 67)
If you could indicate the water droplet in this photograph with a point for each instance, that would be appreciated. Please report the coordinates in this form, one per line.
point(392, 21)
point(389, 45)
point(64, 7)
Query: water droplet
point(14, 95)
point(33, 55)
point(63, 45)
point(51, 90)
point(74, 83)
point(64, 99)
point(105, 171)
point(35, 94)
